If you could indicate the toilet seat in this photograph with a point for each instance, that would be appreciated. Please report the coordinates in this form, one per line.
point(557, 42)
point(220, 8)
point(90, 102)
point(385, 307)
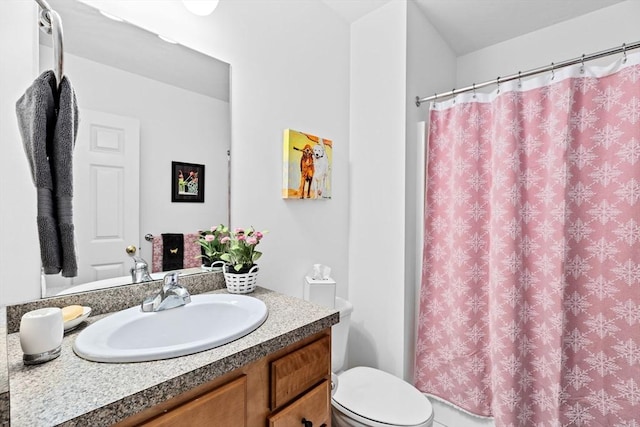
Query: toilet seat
point(376, 398)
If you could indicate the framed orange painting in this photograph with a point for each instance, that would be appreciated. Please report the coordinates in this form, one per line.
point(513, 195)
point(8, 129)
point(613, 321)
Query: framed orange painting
point(307, 164)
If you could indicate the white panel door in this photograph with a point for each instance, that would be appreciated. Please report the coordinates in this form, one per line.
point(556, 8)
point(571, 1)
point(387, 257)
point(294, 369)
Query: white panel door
point(106, 210)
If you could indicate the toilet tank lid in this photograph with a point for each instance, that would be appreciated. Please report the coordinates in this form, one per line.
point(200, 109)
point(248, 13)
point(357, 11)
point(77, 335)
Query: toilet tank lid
point(343, 306)
point(379, 396)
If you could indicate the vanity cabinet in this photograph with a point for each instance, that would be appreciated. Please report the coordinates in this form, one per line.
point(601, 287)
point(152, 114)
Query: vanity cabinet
point(225, 406)
point(279, 390)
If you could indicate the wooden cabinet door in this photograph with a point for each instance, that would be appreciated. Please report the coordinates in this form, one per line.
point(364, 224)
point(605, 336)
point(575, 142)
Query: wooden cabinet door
point(313, 406)
point(293, 374)
point(225, 406)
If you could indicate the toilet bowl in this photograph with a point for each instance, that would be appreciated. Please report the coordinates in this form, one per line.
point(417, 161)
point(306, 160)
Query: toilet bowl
point(373, 398)
point(368, 397)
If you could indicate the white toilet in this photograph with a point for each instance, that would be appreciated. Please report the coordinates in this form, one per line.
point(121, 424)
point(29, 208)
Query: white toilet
point(367, 397)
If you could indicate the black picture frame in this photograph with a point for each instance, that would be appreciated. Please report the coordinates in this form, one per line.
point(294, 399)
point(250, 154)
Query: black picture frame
point(187, 182)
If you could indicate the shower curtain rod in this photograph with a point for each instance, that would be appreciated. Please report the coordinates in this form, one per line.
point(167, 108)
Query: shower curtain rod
point(621, 49)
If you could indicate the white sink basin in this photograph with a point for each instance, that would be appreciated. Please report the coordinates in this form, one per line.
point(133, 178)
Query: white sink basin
point(132, 335)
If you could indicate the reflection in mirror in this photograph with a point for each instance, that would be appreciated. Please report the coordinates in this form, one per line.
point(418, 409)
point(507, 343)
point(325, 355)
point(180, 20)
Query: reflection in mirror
point(144, 103)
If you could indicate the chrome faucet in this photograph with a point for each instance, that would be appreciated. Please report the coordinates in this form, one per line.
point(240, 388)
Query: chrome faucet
point(171, 295)
point(140, 269)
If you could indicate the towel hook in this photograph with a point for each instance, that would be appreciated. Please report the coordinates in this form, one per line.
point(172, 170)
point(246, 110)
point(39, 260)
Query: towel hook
point(51, 23)
point(58, 45)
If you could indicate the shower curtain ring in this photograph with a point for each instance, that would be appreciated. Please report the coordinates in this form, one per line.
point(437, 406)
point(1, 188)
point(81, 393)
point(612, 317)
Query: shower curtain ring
point(519, 79)
point(498, 84)
point(582, 64)
point(624, 53)
point(474, 91)
point(553, 71)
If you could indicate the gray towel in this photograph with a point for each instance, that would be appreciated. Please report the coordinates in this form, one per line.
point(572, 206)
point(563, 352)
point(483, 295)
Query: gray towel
point(49, 137)
point(36, 111)
point(64, 140)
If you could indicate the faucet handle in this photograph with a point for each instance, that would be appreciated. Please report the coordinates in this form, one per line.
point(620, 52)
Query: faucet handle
point(170, 280)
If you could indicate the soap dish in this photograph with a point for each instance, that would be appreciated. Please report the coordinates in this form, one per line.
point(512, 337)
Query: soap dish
point(74, 323)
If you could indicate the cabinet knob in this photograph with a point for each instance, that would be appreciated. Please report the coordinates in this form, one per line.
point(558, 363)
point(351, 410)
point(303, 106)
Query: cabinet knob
point(307, 423)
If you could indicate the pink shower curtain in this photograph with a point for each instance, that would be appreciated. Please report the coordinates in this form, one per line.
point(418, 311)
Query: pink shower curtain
point(530, 298)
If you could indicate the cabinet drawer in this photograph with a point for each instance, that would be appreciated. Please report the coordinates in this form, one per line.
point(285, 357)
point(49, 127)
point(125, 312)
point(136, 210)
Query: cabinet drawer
point(224, 407)
point(296, 372)
point(313, 406)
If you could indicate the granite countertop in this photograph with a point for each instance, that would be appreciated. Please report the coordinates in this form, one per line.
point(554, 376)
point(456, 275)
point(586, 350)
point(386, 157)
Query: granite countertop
point(76, 392)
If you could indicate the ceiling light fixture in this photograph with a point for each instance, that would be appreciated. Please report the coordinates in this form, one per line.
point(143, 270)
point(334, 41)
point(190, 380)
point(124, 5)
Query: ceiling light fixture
point(201, 7)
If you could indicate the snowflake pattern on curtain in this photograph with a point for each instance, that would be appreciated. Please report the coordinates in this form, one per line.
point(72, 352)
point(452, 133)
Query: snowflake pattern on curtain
point(530, 298)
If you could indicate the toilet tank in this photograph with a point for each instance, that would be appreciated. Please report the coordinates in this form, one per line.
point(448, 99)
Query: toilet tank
point(340, 334)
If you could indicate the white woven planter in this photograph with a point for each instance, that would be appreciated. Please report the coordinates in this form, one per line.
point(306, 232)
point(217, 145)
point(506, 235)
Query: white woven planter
point(241, 283)
point(216, 266)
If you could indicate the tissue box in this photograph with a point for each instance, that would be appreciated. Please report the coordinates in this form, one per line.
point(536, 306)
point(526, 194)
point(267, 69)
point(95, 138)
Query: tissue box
point(320, 291)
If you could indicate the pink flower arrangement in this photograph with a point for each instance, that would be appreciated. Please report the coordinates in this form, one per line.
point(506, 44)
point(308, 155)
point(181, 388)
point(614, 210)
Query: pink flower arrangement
point(241, 252)
point(215, 242)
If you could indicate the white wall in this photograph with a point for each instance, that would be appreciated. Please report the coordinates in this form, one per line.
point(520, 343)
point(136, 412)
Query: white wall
point(396, 54)
point(593, 32)
point(290, 68)
point(19, 261)
point(376, 217)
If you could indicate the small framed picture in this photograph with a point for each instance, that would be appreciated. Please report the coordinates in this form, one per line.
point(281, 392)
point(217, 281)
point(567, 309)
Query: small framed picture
point(187, 182)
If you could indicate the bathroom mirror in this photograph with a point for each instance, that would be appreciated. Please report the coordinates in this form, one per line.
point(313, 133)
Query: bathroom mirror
point(176, 101)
